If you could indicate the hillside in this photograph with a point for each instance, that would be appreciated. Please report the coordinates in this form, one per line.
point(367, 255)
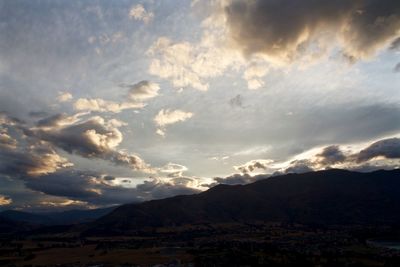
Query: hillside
point(323, 197)
point(55, 218)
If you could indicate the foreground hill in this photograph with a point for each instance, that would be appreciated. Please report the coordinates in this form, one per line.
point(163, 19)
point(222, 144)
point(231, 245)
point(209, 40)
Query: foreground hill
point(55, 218)
point(323, 197)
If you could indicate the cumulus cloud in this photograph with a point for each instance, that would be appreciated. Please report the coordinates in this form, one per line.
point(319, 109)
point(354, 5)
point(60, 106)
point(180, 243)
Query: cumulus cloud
point(167, 117)
point(64, 97)
point(91, 138)
point(188, 64)
point(359, 27)
point(4, 200)
point(88, 138)
point(32, 161)
point(143, 90)
point(254, 74)
point(253, 36)
point(172, 61)
point(138, 12)
point(31, 151)
point(27, 157)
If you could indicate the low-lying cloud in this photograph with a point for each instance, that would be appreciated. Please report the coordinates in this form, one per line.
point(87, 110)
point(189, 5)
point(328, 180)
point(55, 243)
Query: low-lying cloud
point(372, 157)
point(98, 189)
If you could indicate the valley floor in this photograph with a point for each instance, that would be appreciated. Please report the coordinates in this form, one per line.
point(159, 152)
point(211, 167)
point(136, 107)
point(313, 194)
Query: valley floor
point(256, 244)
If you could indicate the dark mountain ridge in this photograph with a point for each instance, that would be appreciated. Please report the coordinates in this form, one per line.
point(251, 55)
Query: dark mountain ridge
point(324, 197)
point(55, 218)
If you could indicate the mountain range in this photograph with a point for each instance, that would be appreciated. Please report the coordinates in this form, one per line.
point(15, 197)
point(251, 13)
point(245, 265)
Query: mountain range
point(328, 197)
point(53, 218)
point(324, 197)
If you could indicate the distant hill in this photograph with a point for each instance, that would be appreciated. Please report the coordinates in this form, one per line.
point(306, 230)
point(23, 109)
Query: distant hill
point(9, 227)
point(324, 197)
point(55, 218)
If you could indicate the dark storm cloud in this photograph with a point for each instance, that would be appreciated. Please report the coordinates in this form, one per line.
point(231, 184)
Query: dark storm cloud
point(387, 148)
point(284, 29)
point(331, 155)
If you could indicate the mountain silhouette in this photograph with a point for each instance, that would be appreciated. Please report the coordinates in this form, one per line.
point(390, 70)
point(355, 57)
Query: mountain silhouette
point(55, 218)
point(323, 197)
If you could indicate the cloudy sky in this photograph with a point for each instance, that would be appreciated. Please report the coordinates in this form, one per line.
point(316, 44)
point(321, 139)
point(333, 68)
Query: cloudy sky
point(110, 102)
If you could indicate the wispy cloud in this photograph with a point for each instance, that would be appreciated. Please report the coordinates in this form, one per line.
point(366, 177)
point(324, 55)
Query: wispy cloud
point(167, 117)
point(138, 12)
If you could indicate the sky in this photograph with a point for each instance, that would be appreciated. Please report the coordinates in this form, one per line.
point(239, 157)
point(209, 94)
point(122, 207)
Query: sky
point(111, 102)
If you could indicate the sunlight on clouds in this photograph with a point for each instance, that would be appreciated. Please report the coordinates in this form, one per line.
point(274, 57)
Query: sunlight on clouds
point(167, 117)
point(7, 141)
point(134, 99)
point(101, 105)
point(366, 156)
point(234, 37)
point(64, 97)
point(173, 170)
point(254, 74)
point(88, 100)
point(66, 203)
point(188, 64)
point(4, 201)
